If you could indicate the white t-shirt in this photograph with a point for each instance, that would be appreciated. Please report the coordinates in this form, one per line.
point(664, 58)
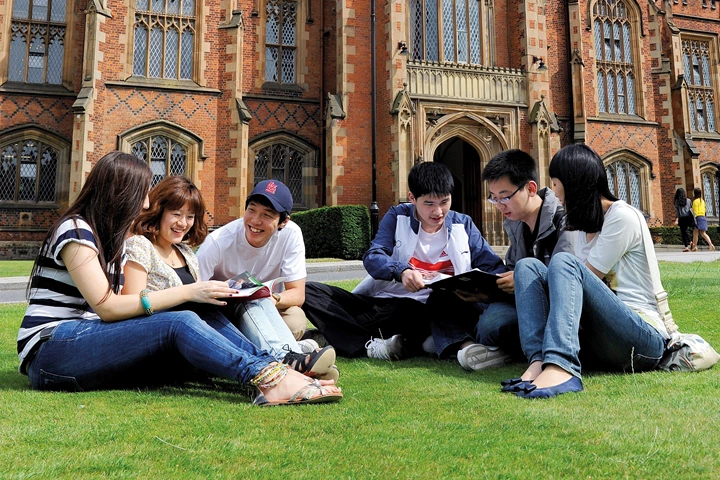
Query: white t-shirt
point(226, 253)
point(618, 251)
point(430, 258)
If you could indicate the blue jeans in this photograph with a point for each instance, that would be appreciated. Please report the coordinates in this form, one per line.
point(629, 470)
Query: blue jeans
point(91, 354)
point(560, 304)
point(498, 327)
point(260, 321)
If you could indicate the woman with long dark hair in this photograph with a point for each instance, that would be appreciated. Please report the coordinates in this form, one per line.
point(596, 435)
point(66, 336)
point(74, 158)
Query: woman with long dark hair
point(601, 300)
point(79, 333)
point(685, 217)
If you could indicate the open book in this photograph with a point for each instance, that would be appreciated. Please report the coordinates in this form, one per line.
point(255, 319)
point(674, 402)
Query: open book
point(251, 288)
point(473, 281)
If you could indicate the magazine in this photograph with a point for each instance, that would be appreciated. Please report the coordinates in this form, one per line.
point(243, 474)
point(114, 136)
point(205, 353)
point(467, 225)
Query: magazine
point(250, 288)
point(473, 281)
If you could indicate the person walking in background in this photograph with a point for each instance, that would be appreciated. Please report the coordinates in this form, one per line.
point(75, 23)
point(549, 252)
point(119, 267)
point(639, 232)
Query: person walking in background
point(699, 209)
point(685, 217)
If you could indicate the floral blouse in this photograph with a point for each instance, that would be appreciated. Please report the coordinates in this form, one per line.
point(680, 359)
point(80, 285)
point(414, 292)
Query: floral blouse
point(160, 275)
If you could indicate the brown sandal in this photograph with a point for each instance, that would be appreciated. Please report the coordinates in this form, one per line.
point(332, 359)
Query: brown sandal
point(305, 395)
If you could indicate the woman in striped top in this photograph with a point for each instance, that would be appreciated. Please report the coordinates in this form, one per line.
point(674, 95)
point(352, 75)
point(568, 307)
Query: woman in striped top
point(80, 334)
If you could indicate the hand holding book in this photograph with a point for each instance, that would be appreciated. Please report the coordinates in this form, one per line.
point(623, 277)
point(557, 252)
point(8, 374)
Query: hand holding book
point(250, 288)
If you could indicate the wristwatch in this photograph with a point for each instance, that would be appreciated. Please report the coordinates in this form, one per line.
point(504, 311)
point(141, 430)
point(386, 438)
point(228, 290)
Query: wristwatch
point(276, 296)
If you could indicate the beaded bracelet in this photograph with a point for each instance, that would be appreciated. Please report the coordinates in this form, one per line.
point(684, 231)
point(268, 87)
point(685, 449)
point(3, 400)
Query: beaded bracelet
point(145, 301)
point(270, 376)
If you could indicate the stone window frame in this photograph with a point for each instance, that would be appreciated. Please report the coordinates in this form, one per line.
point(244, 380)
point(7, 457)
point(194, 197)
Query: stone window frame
point(711, 171)
point(301, 36)
point(68, 53)
point(197, 77)
point(486, 32)
point(192, 143)
point(645, 174)
point(695, 91)
point(51, 139)
point(634, 69)
point(310, 170)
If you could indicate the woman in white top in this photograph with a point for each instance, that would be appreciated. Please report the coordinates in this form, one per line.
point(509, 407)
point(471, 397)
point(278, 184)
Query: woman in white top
point(601, 300)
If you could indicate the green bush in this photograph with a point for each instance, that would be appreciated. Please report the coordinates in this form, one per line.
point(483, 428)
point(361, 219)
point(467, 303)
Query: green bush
point(671, 235)
point(338, 232)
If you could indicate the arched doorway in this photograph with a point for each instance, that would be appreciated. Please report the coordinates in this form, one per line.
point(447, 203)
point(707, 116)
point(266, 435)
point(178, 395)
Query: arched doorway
point(464, 162)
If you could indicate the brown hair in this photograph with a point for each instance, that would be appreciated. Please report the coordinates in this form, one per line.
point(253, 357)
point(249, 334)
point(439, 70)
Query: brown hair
point(171, 194)
point(110, 200)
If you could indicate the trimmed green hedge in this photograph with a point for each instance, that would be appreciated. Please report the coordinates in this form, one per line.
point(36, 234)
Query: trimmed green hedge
point(335, 232)
point(671, 235)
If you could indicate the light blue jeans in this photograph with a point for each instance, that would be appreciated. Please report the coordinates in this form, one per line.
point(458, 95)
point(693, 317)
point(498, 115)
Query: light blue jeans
point(565, 302)
point(260, 321)
point(91, 354)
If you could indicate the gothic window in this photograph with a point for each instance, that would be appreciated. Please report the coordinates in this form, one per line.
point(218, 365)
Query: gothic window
point(280, 40)
point(625, 182)
point(698, 76)
point(28, 172)
point(452, 31)
point(711, 193)
point(616, 75)
point(281, 162)
point(164, 155)
point(37, 41)
point(164, 39)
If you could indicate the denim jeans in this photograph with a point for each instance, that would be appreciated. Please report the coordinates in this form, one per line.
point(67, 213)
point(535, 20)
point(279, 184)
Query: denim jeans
point(452, 321)
point(91, 354)
point(262, 324)
point(565, 302)
point(498, 327)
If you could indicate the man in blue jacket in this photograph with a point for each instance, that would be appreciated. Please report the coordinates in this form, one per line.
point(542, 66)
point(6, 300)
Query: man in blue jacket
point(391, 312)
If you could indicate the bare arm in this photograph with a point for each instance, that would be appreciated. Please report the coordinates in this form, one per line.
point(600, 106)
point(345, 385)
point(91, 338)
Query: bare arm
point(293, 296)
point(87, 274)
point(597, 272)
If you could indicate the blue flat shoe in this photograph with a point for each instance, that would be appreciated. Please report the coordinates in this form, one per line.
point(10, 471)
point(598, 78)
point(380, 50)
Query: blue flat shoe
point(572, 385)
point(515, 385)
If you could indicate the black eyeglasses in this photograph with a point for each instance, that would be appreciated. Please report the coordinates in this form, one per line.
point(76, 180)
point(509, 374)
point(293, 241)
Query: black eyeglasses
point(504, 200)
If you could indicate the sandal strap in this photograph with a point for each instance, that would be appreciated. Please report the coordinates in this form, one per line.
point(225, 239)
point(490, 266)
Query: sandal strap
point(308, 391)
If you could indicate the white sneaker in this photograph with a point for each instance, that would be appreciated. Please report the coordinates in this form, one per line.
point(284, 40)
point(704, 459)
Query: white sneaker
point(308, 346)
point(390, 349)
point(478, 357)
point(428, 346)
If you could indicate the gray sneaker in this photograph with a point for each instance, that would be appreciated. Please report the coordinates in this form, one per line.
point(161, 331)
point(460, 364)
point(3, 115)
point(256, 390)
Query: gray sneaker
point(308, 345)
point(390, 349)
point(478, 357)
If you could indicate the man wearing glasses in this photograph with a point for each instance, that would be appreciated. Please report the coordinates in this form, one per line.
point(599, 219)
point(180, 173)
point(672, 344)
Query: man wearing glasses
point(534, 222)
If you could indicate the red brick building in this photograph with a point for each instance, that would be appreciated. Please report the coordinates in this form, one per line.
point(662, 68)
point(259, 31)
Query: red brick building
point(230, 92)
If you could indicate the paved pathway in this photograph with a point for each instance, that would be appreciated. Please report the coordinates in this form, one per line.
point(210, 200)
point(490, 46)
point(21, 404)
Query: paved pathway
point(12, 289)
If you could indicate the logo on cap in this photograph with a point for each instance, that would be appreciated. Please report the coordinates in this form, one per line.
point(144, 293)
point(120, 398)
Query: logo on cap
point(271, 187)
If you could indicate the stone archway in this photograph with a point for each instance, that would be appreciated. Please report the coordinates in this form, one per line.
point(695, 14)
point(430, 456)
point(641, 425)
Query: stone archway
point(464, 162)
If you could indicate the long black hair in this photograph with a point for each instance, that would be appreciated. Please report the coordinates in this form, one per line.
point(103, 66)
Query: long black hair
point(584, 180)
point(110, 200)
point(680, 198)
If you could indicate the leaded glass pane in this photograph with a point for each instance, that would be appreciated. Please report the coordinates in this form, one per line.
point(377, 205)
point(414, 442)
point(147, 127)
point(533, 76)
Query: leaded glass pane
point(631, 94)
point(696, 70)
point(295, 164)
point(155, 64)
point(611, 179)
point(612, 108)
point(448, 31)
point(140, 49)
point(186, 58)
point(56, 51)
point(178, 159)
point(18, 54)
point(621, 93)
point(691, 103)
point(36, 57)
point(140, 150)
point(686, 67)
point(634, 187)
point(710, 115)
point(40, 10)
point(188, 8)
point(271, 63)
point(261, 165)
point(706, 70)
point(48, 174)
point(601, 92)
point(57, 13)
point(622, 192)
point(173, 7)
point(716, 204)
point(416, 32)
point(288, 23)
point(272, 25)
point(461, 28)
point(141, 5)
point(288, 66)
point(8, 173)
point(700, 111)
point(607, 28)
point(474, 32)
point(158, 5)
point(171, 53)
point(616, 42)
point(21, 8)
point(278, 159)
point(597, 25)
point(431, 30)
point(28, 171)
point(627, 39)
point(707, 194)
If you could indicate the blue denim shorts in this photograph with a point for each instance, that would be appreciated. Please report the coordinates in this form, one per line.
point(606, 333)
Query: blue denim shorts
point(701, 222)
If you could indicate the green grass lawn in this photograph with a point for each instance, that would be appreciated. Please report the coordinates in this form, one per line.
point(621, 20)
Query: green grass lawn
point(419, 418)
point(15, 268)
